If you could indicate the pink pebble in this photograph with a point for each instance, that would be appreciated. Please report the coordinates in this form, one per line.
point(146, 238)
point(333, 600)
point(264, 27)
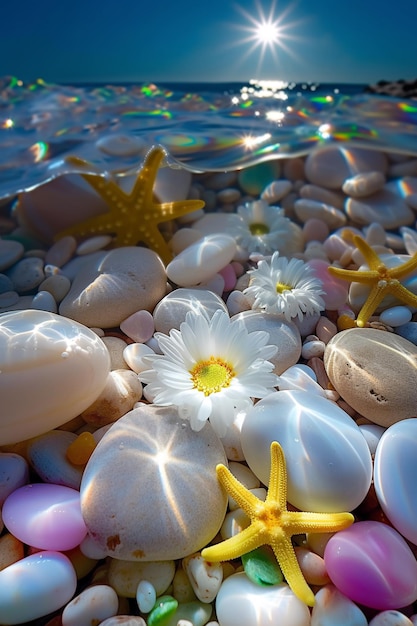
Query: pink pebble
point(371, 564)
point(315, 230)
point(139, 326)
point(45, 516)
point(229, 276)
point(336, 291)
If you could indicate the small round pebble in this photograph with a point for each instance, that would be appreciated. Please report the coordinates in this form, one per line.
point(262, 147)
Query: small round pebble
point(125, 576)
point(240, 601)
point(333, 608)
point(26, 274)
point(10, 252)
point(202, 260)
point(91, 606)
point(92, 244)
point(139, 326)
point(14, 473)
point(395, 316)
point(363, 184)
point(145, 596)
point(47, 456)
point(391, 618)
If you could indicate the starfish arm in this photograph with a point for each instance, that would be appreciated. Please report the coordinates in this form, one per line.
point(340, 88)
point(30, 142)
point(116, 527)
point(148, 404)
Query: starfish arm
point(402, 293)
point(90, 226)
point(353, 276)
point(404, 268)
point(285, 555)
point(235, 546)
point(245, 499)
point(301, 522)
point(277, 489)
point(146, 178)
point(172, 210)
point(375, 297)
point(372, 259)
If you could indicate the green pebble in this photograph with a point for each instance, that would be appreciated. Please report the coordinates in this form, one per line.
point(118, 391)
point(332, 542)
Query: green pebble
point(165, 607)
point(198, 613)
point(261, 567)
point(253, 180)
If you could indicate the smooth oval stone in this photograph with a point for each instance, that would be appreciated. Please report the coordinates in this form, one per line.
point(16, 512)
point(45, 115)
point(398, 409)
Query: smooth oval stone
point(26, 274)
point(372, 565)
point(396, 316)
point(58, 285)
point(283, 334)
point(44, 301)
point(174, 507)
point(241, 601)
point(52, 368)
point(10, 252)
point(333, 608)
point(276, 190)
point(392, 618)
point(385, 207)
point(202, 260)
point(45, 516)
point(375, 372)
point(330, 166)
point(14, 473)
point(171, 311)
point(328, 460)
point(306, 209)
point(107, 290)
point(91, 606)
point(35, 586)
point(124, 576)
point(394, 476)
point(47, 456)
point(363, 185)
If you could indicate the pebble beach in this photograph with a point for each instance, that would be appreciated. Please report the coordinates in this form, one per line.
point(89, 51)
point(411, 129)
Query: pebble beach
point(159, 335)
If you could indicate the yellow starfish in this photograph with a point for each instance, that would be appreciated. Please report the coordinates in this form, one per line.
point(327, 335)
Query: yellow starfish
point(133, 217)
point(382, 280)
point(273, 524)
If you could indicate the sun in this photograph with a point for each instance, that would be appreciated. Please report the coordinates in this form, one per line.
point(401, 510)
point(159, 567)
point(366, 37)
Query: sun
point(267, 32)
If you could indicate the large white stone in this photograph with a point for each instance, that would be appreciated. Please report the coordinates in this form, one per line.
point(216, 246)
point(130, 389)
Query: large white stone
point(51, 369)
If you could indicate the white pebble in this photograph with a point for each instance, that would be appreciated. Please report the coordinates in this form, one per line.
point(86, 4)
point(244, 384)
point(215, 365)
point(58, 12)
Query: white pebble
point(183, 238)
point(391, 618)
point(228, 195)
point(237, 302)
point(312, 348)
point(133, 355)
point(201, 261)
point(44, 301)
point(372, 434)
point(91, 606)
point(139, 326)
point(93, 244)
point(205, 577)
point(363, 184)
point(306, 209)
point(276, 190)
point(145, 596)
point(240, 601)
point(396, 316)
point(332, 607)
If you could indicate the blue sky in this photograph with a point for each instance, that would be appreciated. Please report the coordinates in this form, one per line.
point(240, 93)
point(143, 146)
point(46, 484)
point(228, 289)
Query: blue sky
point(204, 40)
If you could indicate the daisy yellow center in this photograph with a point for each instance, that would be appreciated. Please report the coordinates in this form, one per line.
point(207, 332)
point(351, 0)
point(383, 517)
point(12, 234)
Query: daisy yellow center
point(281, 287)
point(257, 228)
point(212, 375)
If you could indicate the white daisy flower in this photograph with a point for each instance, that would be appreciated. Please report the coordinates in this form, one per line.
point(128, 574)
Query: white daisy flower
point(285, 287)
point(267, 230)
point(210, 368)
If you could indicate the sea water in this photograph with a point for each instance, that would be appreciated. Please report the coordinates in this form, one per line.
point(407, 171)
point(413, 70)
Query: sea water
point(203, 126)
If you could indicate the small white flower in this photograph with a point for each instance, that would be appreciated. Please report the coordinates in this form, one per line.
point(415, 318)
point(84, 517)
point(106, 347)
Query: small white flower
point(210, 368)
point(267, 229)
point(285, 287)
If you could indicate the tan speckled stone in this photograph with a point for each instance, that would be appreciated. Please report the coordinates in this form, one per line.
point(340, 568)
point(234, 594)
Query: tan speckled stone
point(375, 372)
point(149, 491)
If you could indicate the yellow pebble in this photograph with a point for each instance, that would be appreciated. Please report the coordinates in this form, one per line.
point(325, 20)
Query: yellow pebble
point(344, 322)
point(80, 450)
